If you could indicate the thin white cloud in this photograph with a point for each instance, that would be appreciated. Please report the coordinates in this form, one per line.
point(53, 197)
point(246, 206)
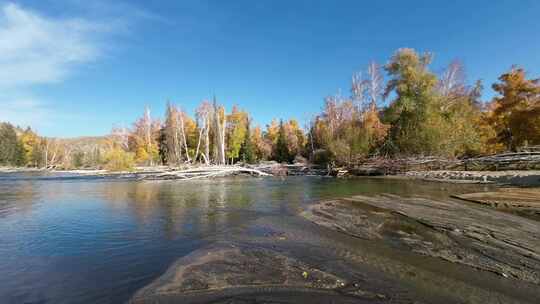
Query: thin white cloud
point(35, 49)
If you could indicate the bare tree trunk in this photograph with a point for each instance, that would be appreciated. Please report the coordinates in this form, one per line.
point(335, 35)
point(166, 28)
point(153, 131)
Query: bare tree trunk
point(148, 132)
point(201, 130)
point(207, 146)
point(223, 129)
point(176, 147)
point(205, 159)
point(375, 85)
point(181, 116)
point(219, 134)
point(46, 154)
point(204, 120)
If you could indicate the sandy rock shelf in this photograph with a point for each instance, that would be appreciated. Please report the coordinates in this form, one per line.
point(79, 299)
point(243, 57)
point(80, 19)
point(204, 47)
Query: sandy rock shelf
point(519, 198)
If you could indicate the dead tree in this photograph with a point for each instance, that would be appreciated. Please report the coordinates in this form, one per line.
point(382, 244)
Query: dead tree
point(183, 133)
point(452, 84)
point(220, 125)
point(203, 115)
point(374, 87)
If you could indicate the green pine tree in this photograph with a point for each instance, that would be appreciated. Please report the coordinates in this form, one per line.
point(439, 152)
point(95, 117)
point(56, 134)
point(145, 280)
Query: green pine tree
point(11, 148)
point(247, 150)
point(281, 153)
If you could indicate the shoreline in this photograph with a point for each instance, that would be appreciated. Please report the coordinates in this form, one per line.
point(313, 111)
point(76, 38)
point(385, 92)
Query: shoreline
point(521, 178)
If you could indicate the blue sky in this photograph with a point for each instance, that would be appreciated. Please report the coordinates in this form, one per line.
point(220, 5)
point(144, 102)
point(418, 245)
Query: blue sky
point(74, 67)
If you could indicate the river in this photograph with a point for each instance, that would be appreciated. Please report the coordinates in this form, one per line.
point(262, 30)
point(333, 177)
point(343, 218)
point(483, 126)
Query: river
point(70, 239)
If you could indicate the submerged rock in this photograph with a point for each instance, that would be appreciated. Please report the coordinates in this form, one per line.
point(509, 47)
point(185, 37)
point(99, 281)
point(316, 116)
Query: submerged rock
point(237, 272)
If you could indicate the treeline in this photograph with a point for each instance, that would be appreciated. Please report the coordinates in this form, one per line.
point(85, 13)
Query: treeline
point(20, 147)
point(213, 136)
point(25, 148)
point(399, 109)
point(404, 109)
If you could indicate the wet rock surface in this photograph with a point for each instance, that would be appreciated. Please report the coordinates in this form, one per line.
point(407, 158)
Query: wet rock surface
point(484, 239)
point(237, 273)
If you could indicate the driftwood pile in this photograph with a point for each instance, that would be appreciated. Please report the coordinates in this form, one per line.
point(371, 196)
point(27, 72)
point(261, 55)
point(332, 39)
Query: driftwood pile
point(205, 172)
point(296, 169)
point(189, 172)
point(529, 149)
point(507, 161)
point(500, 162)
point(391, 166)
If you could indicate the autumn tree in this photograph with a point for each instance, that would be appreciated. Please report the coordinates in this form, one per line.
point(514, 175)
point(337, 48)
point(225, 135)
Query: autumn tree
point(464, 130)
point(516, 112)
point(235, 133)
point(271, 133)
point(262, 146)
point(171, 140)
point(179, 135)
point(413, 115)
point(31, 144)
point(349, 128)
point(54, 152)
point(373, 132)
point(143, 139)
point(117, 159)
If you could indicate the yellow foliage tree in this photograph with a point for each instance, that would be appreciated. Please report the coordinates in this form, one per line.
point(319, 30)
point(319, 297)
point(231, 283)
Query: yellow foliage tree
point(116, 159)
point(30, 142)
point(516, 112)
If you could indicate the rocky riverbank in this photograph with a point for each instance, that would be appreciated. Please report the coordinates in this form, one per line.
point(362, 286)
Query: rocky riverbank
point(481, 238)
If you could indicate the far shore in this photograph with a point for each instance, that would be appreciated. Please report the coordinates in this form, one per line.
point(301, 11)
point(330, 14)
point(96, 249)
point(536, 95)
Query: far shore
point(503, 177)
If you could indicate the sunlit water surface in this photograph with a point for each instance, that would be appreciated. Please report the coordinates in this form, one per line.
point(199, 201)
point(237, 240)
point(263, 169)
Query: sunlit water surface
point(65, 239)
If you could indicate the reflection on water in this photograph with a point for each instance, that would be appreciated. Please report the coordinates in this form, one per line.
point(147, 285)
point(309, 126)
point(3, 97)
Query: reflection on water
point(67, 240)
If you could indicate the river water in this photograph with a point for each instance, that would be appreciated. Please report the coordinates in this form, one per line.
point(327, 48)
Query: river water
point(67, 239)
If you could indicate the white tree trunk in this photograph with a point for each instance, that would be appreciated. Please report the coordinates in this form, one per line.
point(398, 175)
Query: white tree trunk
point(183, 131)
